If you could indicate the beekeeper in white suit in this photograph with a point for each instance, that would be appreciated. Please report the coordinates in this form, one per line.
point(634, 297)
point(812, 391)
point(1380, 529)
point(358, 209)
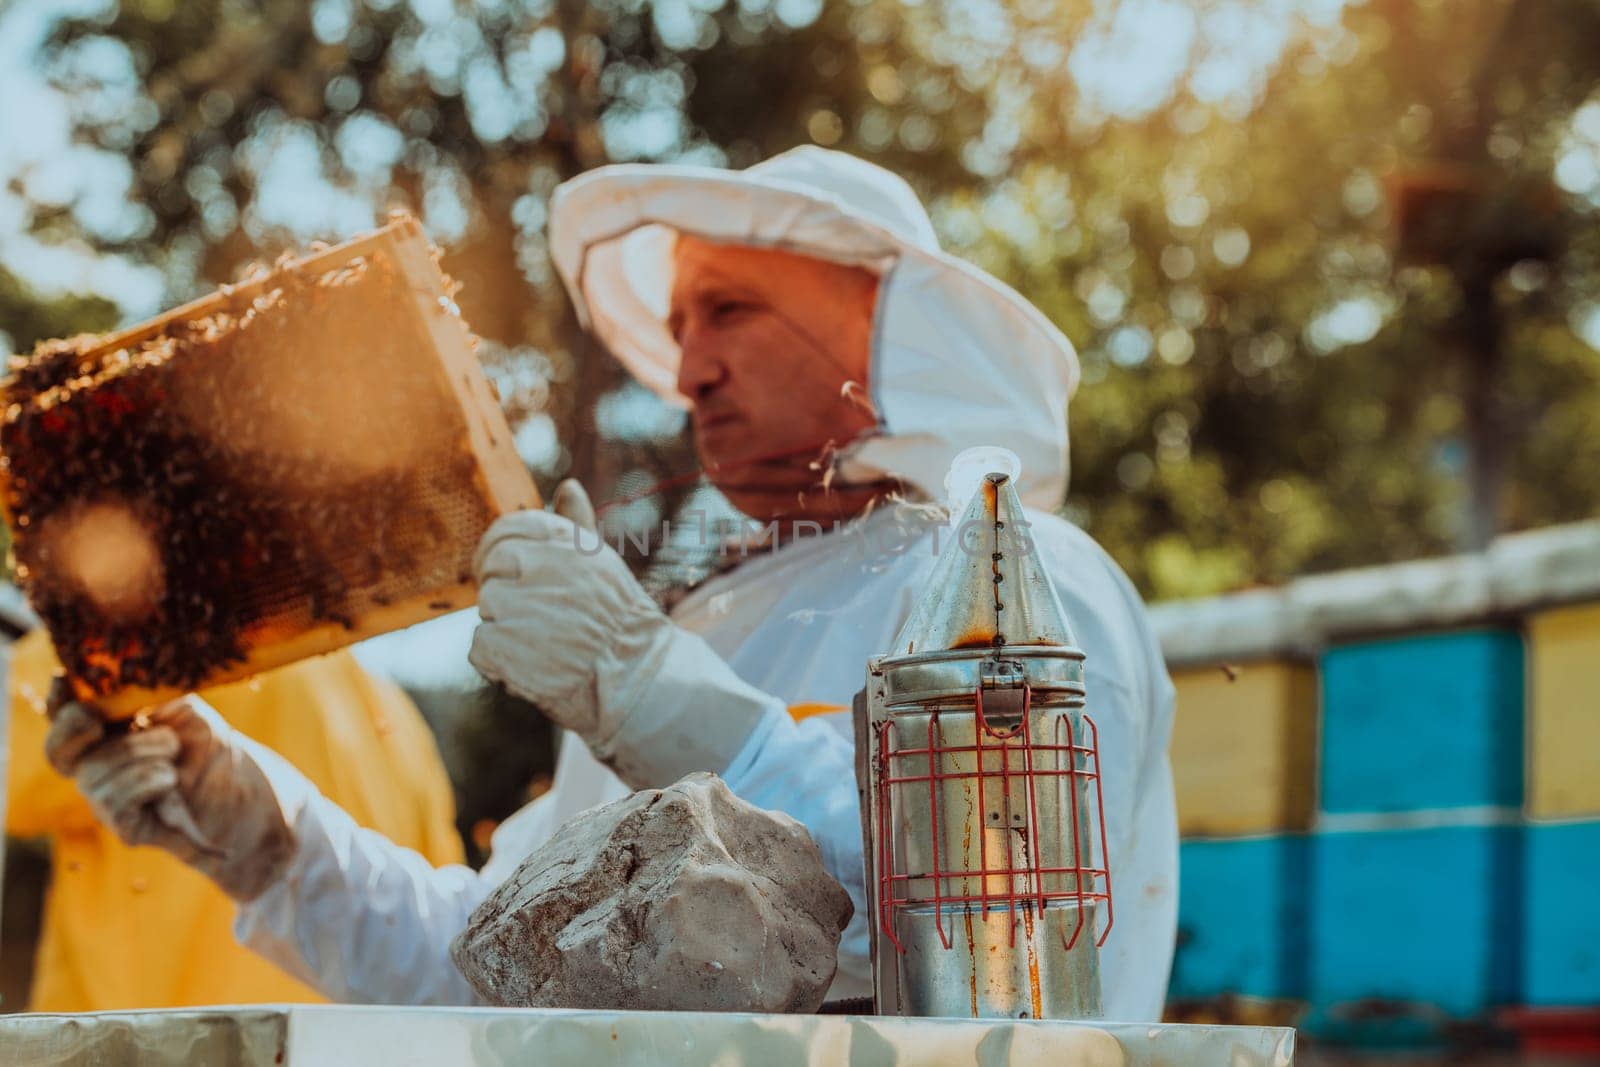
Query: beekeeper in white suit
point(834, 360)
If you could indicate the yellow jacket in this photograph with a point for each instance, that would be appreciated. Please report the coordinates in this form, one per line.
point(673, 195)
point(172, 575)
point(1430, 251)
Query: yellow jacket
point(133, 927)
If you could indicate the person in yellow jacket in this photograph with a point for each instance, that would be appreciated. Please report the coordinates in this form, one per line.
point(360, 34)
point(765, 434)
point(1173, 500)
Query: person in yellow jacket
point(134, 927)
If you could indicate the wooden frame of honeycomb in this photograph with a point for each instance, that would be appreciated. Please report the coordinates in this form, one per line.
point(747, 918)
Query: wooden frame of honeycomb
point(369, 486)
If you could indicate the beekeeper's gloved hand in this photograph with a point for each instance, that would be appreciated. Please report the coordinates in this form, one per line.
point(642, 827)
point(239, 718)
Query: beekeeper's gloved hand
point(566, 626)
point(181, 779)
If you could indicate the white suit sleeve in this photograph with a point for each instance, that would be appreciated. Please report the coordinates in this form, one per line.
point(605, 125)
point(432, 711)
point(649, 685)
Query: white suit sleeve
point(361, 919)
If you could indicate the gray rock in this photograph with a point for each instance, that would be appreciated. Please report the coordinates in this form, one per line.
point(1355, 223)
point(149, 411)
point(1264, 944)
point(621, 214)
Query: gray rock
point(677, 899)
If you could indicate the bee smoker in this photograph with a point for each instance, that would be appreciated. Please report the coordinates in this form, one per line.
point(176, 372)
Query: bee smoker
point(981, 804)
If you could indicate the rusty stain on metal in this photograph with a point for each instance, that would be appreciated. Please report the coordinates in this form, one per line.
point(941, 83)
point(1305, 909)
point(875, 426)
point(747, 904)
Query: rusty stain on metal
point(991, 496)
point(979, 637)
point(966, 827)
point(1033, 963)
point(972, 954)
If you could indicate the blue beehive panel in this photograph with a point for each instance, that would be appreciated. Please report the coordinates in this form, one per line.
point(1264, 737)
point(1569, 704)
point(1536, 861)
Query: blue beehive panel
point(1423, 722)
point(1425, 918)
point(1241, 918)
point(1561, 915)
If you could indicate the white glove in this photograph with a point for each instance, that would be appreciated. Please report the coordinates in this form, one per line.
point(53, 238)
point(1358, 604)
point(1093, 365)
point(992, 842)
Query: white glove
point(181, 779)
point(566, 627)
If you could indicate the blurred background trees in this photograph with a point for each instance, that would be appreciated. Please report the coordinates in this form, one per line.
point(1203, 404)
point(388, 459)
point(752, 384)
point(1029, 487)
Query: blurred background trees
point(1330, 267)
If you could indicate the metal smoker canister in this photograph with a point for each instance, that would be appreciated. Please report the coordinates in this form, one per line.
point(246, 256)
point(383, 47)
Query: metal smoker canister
point(981, 791)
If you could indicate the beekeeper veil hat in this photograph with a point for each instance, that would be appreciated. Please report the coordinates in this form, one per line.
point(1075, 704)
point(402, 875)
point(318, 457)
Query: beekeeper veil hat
point(958, 358)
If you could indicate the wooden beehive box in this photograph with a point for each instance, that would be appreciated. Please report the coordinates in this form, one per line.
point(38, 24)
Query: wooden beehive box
point(272, 472)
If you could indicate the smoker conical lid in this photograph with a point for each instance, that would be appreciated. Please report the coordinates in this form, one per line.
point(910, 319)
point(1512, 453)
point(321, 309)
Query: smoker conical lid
point(988, 588)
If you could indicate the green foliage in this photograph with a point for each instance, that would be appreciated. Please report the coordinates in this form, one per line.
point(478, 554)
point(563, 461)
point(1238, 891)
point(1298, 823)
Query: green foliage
point(1325, 315)
point(26, 317)
point(496, 749)
point(1280, 369)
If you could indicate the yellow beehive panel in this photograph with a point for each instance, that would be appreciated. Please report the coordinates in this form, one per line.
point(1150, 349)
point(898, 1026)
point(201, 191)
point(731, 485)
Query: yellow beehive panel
point(1564, 712)
point(272, 472)
point(1244, 748)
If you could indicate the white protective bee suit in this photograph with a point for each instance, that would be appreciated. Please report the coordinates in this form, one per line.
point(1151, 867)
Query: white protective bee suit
point(958, 360)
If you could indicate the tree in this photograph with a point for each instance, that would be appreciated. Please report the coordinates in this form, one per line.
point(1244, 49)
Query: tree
point(1324, 286)
point(27, 317)
point(469, 115)
point(1328, 325)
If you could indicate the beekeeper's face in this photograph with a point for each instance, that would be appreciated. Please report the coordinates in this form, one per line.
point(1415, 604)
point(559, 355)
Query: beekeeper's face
point(776, 348)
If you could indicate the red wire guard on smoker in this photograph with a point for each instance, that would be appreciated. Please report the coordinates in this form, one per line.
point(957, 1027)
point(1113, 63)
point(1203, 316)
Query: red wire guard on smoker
point(894, 888)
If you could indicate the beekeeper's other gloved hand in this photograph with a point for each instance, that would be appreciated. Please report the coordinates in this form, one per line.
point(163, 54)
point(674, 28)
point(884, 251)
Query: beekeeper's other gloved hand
point(566, 627)
point(181, 779)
